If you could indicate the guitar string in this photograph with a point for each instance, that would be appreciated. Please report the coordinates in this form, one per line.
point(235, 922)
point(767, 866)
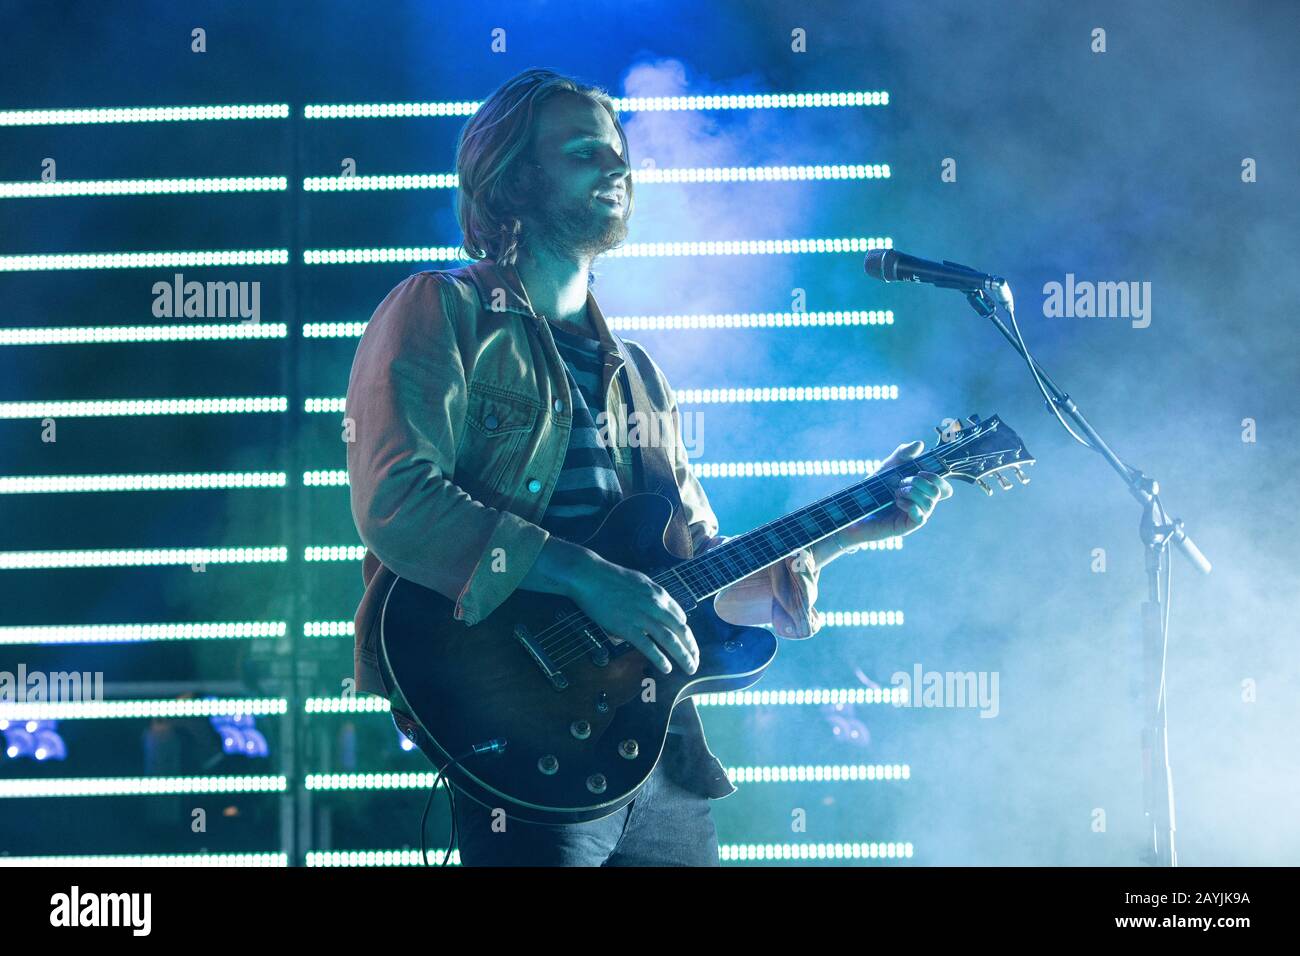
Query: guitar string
point(561, 631)
point(692, 576)
point(695, 578)
point(581, 645)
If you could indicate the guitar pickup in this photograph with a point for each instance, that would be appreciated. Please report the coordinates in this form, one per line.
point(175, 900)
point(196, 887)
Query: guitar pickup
point(541, 658)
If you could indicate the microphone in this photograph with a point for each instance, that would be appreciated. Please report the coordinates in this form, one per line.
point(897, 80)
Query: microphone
point(890, 265)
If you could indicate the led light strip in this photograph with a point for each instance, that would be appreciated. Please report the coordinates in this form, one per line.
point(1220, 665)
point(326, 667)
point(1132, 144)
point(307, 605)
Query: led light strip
point(819, 697)
point(107, 709)
point(782, 469)
point(138, 557)
point(338, 477)
point(640, 177)
point(756, 852)
point(139, 786)
point(142, 187)
point(636, 104)
point(347, 628)
point(372, 781)
point(143, 114)
point(42, 484)
point(349, 858)
point(727, 853)
point(709, 396)
point(363, 704)
point(636, 323)
point(750, 320)
point(329, 629)
point(111, 334)
point(331, 184)
point(845, 773)
point(631, 250)
point(750, 174)
point(357, 552)
point(144, 260)
point(855, 773)
point(152, 860)
point(334, 552)
point(371, 704)
point(144, 406)
point(130, 633)
point(800, 393)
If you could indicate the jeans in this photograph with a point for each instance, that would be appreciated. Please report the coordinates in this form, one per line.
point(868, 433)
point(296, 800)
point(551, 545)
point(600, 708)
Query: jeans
point(664, 825)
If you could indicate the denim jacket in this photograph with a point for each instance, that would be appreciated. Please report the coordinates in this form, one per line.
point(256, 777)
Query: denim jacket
point(458, 413)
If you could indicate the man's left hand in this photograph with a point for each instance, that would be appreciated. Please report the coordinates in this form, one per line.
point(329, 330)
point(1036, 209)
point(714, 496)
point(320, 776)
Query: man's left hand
point(914, 501)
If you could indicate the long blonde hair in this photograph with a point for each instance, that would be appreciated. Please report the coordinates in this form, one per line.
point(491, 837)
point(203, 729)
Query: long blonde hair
point(488, 153)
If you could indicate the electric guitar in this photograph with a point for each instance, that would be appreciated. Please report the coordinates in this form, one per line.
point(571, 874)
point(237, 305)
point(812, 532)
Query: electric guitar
point(535, 710)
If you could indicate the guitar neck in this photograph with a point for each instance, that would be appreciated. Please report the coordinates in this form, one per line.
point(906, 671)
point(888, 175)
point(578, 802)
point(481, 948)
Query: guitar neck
point(744, 554)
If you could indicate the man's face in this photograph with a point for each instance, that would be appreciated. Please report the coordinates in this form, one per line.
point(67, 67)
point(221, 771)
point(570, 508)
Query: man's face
point(580, 201)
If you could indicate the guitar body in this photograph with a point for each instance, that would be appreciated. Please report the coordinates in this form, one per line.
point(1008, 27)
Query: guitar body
point(579, 746)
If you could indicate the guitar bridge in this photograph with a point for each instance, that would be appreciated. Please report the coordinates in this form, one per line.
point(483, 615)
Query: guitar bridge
point(541, 658)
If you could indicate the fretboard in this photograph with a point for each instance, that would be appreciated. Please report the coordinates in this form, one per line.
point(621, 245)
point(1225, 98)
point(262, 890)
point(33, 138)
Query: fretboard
point(744, 554)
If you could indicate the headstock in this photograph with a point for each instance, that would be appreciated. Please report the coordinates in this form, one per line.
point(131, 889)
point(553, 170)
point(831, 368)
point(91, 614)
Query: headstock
point(975, 449)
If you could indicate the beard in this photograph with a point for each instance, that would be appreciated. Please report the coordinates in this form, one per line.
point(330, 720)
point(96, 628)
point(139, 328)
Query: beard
point(573, 229)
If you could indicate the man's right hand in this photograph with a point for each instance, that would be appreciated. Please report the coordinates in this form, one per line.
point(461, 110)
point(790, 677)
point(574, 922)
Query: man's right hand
point(626, 604)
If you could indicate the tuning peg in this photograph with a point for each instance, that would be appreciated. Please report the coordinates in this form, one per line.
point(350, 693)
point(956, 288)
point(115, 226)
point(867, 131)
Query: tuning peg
point(987, 490)
point(1003, 481)
point(1021, 476)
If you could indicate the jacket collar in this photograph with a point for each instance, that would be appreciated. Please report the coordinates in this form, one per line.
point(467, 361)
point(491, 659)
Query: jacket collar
point(488, 277)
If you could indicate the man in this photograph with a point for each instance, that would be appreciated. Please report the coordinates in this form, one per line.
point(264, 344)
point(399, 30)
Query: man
point(478, 465)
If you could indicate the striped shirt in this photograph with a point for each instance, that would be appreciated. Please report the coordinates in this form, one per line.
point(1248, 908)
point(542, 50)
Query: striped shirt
point(588, 486)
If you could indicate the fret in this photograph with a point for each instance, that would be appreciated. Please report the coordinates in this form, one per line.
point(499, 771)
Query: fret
point(744, 554)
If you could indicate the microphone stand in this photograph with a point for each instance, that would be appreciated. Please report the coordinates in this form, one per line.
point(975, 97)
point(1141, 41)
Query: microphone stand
point(1157, 531)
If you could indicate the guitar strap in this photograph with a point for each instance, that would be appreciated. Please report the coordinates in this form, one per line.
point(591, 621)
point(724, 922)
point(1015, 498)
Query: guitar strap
point(653, 468)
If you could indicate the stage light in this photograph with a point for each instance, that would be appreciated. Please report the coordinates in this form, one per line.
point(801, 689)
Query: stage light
point(764, 852)
point(127, 709)
point(802, 697)
point(114, 334)
point(143, 114)
point(242, 405)
point(350, 858)
point(640, 177)
point(750, 320)
point(636, 104)
point(797, 393)
point(142, 187)
point(712, 396)
point(373, 781)
point(328, 629)
point(139, 557)
point(239, 734)
point(352, 704)
point(38, 739)
point(352, 552)
point(151, 860)
point(127, 633)
point(46, 484)
point(633, 250)
point(138, 786)
point(845, 773)
point(143, 260)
